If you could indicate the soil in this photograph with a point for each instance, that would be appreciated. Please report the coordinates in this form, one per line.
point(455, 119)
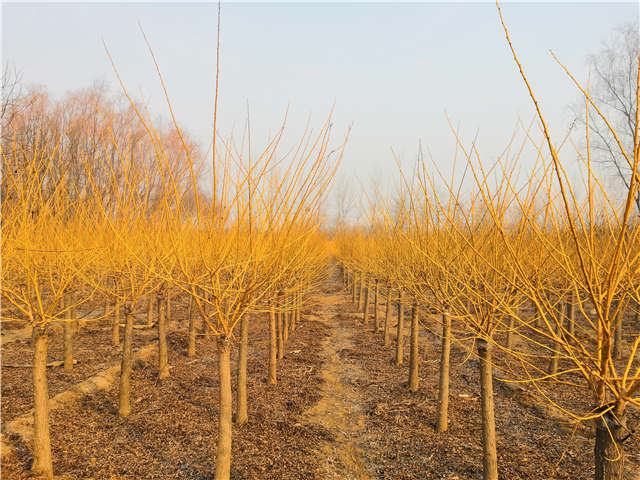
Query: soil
point(341, 410)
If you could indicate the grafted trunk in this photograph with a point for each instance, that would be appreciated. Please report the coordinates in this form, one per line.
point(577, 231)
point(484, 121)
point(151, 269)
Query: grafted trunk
point(223, 450)
point(68, 336)
point(163, 356)
point(414, 354)
point(273, 346)
point(363, 282)
point(387, 317)
point(191, 348)
point(41, 438)
point(442, 422)
point(365, 306)
point(243, 351)
point(115, 336)
point(490, 458)
point(509, 342)
point(400, 330)
point(376, 317)
point(124, 407)
point(609, 449)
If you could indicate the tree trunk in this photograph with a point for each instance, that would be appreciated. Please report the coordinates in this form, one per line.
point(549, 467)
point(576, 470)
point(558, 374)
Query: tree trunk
point(41, 439)
point(285, 329)
point(490, 460)
point(116, 323)
point(124, 407)
point(387, 315)
point(609, 450)
point(353, 287)
point(273, 346)
point(223, 451)
point(442, 422)
point(400, 330)
point(280, 326)
point(363, 282)
point(68, 336)
point(509, 342)
point(243, 350)
point(365, 307)
point(191, 348)
point(150, 311)
point(376, 317)
point(163, 358)
point(414, 355)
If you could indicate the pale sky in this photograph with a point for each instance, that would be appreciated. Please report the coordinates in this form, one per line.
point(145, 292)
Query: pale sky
point(392, 69)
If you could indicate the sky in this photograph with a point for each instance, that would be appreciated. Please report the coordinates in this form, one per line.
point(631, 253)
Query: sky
point(394, 71)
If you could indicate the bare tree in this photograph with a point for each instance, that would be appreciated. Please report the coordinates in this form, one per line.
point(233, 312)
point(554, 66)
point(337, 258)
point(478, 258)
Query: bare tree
point(614, 70)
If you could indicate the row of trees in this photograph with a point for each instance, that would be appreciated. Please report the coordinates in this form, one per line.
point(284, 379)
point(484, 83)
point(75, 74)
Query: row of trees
point(101, 204)
point(540, 270)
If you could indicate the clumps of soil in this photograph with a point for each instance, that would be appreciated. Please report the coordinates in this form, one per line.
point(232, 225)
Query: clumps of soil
point(172, 431)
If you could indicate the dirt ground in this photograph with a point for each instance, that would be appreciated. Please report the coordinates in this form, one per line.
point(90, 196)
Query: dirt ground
point(341, 410)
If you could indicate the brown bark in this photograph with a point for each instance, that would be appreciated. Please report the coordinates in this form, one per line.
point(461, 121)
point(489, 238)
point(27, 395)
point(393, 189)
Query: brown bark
point(490, 458)
point(509, 342)
point(191, 348)
point(363, 282)
point(617, 346)
point(41, 438)
point(353, 287)
point(365, 306)
point(68, 336)
point(609, 450)
point(414, 354)
point(115, 334)
point(243, 350)
point(273, 347)
point(223, 450)
point(280, 326)
point(400, 330)
point(285, 328)
point(124, 407)
point(163, 357)
point(387, 317)
point(442, 422)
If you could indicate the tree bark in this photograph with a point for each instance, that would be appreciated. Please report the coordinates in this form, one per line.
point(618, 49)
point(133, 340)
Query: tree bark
point(124, 407)
point(280, 326)
point(609, 450)
point(365, 307)
point(285, 330)
point(571, 313)
point(273, 347)
point(363, 282)
point(353, 287)
point(414, 354)
point(42, 464)
point(490, 460)
point(376, 317)
point(243, 350)
point(191, 348)
point(442, 422)
point(400, 330)
point(68, 336)
point(163, 357)
point(223, 451)
point(116, 323)
point(509, 342)
point(387, 317)
point(617, 346)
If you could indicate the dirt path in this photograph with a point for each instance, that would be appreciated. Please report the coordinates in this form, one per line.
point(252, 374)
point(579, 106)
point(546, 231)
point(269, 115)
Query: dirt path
point(340, 409)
